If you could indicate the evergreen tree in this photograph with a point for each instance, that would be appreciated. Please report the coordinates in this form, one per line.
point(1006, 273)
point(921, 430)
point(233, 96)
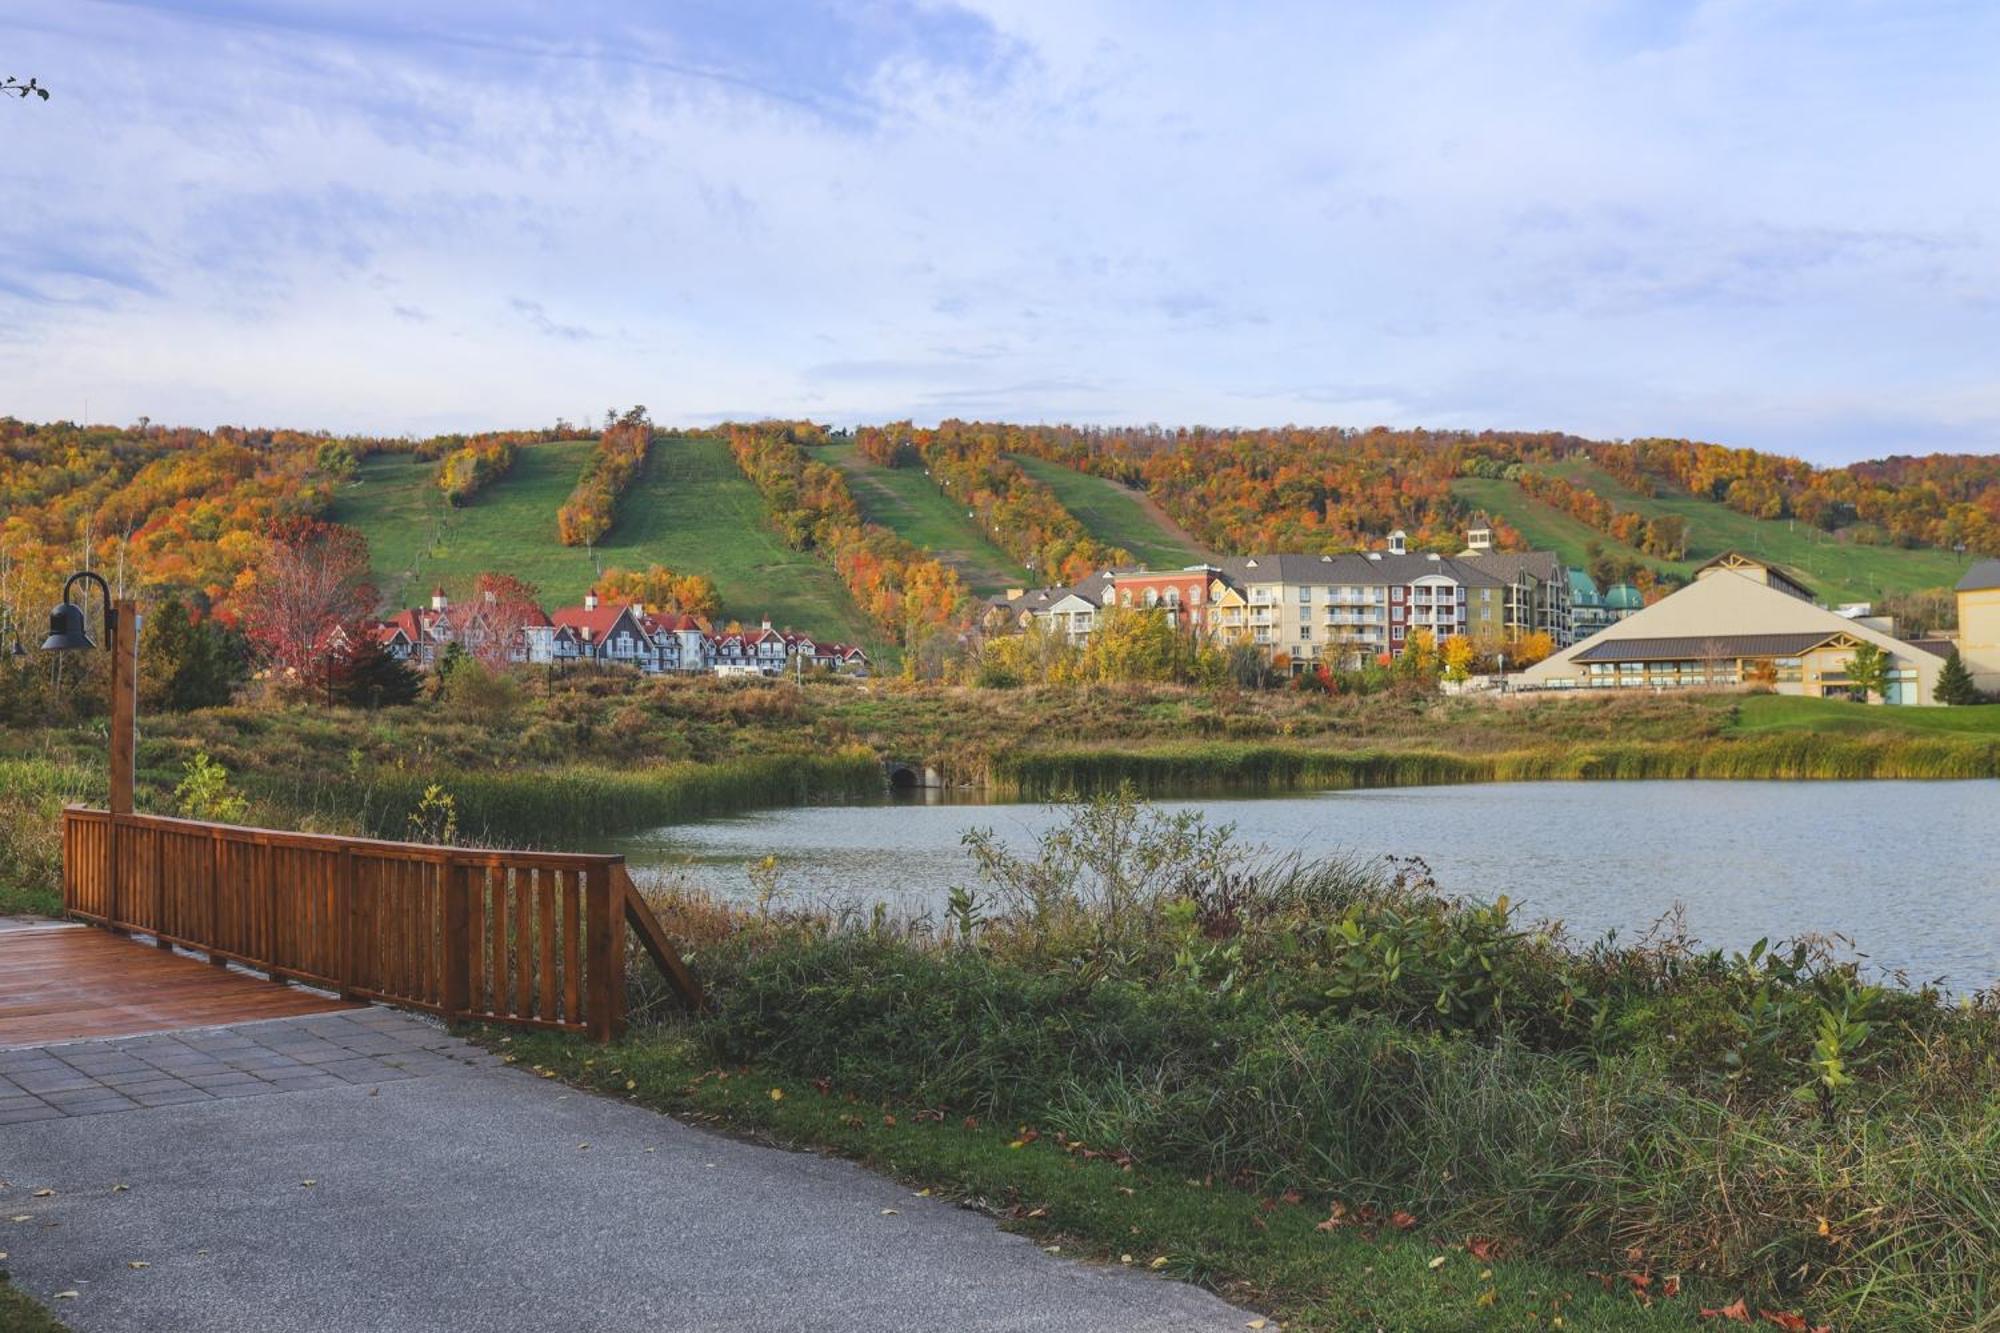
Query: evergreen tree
point(1954, 685)
point(184, 663)
point(374, 677)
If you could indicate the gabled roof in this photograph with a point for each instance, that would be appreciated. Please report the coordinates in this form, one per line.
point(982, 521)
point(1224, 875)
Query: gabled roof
point(1510, 565)
point(1377, 568)
point(1984, 575)
point(1778, 574)
point(1698, 647)
point(592, 621)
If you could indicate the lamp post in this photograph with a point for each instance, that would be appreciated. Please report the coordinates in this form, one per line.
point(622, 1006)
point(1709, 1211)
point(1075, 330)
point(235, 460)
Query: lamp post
point(68, 633)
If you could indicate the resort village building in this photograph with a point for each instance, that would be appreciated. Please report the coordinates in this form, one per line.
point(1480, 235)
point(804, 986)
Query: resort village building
point(1740, 619)
point(1336, 610)
point(615, 633)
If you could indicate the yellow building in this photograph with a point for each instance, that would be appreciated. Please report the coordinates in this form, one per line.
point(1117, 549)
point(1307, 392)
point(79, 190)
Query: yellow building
point(1740, 621)
point(1979, 624)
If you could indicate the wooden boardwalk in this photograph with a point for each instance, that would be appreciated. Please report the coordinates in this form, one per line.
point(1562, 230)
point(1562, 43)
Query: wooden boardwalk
point(70, 983)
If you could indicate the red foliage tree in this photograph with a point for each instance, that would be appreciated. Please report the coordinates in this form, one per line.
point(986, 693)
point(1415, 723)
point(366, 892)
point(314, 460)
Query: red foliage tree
point(312, 597)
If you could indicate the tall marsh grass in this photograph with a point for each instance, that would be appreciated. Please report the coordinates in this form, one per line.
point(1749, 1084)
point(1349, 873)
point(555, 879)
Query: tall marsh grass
point(1145, 983)
point(1040, 775)
point(552, 807)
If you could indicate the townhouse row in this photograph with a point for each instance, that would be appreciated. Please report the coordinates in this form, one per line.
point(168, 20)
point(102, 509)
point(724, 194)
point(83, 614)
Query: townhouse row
point(620, 633)
point(1339, 610)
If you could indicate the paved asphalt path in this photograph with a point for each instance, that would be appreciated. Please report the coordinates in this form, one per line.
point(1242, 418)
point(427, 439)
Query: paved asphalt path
point(450, 1192)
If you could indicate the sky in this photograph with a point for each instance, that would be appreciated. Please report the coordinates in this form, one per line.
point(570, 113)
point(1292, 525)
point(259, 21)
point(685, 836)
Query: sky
point(1773, 225)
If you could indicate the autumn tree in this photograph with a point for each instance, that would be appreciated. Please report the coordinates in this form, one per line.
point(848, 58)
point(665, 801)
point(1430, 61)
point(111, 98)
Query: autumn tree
point(661, 589)
point(494, 626)
point(311, 599)
point(1458, 655)
point(1524, 650)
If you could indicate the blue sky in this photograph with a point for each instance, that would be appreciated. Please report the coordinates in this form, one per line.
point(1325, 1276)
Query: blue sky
point(1768, 224)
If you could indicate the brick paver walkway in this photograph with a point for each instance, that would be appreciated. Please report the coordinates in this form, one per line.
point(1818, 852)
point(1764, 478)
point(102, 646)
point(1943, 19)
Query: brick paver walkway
point(364, 1046)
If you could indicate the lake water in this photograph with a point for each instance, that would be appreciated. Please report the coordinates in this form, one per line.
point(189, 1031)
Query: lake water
point(1909, 870)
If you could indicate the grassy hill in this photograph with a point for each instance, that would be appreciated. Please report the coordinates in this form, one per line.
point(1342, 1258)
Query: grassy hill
point(1112, 513)
point(1839, 571)
point(903, 500)
point(693, 511)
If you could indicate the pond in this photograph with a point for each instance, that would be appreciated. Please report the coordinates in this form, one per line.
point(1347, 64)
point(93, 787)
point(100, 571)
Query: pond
point(1910, 871)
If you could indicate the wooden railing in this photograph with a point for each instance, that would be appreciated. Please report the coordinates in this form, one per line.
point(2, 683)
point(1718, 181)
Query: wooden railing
point(533, 939)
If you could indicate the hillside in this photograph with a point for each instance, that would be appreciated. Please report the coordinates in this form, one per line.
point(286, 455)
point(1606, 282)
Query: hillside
point(904, 501)
point(1115, 514)
point(693, 512)
point(1838, 570)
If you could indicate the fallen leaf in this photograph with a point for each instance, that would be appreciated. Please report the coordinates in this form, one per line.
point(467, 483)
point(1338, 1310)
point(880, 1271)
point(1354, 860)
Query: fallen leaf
point(631, 1084)
point(1487, 1297)
point(1670, 1286)
point(972, 1122)
point(1786, 1320)
point(1438, 1262)
point(1123, 1258)
point(1738, 1311)
point(1292, 1197)
point(888, 1212)
point(1257, 1323)
point(1825, 1228)
point(44, 1193)
point(120, 1189)
point(137, 1263)
point(777, 1094)
point(1482, 1248)
point(923, 1194)
point(889, 1120)
point(1018, 1143)
point(1401, 1220)
point(65, 1295)
point(1160, 1262)
point(307, 1184)
point(20, 1217)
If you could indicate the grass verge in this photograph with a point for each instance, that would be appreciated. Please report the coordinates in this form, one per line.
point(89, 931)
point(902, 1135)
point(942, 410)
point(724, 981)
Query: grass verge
point(1261, 1251)
point(21, 1314)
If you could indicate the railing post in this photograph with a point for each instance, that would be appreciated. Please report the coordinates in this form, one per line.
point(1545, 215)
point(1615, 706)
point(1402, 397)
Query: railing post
point(605, 927)
point(457, 996)
point(214, 940)
point(347, 917)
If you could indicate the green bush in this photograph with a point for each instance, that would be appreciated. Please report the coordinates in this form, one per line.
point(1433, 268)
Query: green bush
point(1147, 985)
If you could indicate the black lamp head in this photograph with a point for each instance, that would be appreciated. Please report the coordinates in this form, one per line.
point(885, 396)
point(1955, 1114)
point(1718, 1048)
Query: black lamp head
point(66, 630)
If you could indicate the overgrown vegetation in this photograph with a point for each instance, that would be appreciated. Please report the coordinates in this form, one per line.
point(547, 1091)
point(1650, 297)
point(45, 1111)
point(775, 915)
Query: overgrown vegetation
point(1146, 988)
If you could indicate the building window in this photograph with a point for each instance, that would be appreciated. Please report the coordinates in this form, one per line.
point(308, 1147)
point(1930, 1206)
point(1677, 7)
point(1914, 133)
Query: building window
point(1305, 632)
point(1305, 595)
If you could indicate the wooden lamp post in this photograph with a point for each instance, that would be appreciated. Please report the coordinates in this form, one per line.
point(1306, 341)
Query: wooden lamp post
point(67, 633)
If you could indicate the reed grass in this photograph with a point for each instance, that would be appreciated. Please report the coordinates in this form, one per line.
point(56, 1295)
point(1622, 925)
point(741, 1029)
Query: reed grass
point(1222, 766)
point(561, 806)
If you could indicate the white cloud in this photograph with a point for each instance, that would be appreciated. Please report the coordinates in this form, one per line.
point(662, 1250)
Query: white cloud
point(1758, 224)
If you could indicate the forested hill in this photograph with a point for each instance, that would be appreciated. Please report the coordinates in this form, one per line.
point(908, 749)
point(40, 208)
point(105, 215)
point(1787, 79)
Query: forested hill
point(848, 534)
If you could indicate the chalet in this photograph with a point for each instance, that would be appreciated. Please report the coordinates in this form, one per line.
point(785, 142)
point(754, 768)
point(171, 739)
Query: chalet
point(618, 633)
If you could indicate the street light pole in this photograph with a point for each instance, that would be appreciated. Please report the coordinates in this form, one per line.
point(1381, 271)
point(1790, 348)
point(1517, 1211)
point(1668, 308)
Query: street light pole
point(67, 633)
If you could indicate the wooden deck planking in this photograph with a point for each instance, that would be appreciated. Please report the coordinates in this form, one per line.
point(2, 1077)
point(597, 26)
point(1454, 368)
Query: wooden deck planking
point(83, 982)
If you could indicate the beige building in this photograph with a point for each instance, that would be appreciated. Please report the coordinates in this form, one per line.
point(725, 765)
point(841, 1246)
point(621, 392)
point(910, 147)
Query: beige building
point(1979, 624)
point(1739, 619)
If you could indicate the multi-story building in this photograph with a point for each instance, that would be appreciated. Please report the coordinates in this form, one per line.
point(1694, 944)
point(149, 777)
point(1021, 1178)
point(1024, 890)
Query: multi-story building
point(1341, 610)
point(1182, 593)
point(618, 633)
